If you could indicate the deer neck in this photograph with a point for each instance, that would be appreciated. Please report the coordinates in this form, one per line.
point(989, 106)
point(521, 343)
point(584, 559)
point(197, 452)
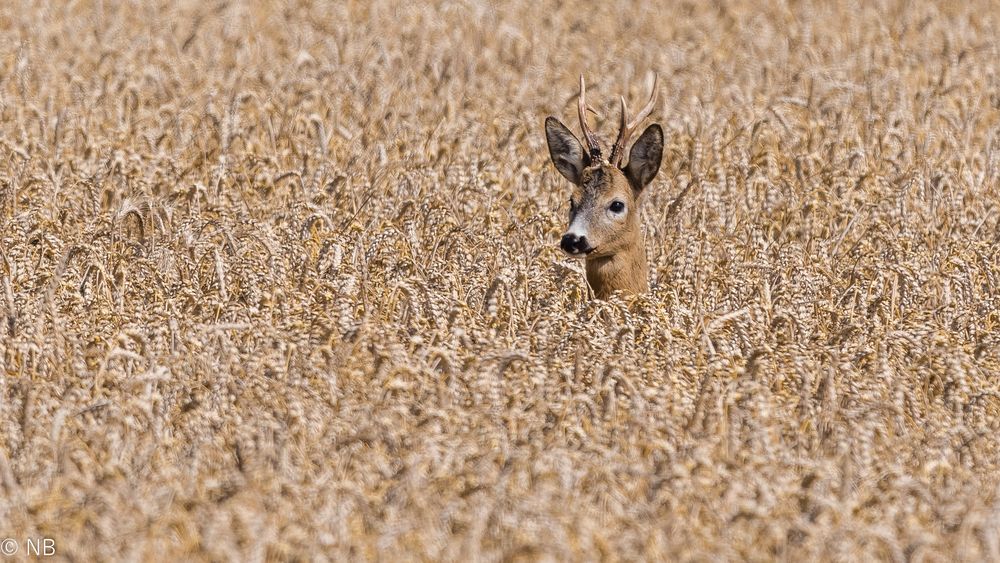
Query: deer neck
point(625, 270)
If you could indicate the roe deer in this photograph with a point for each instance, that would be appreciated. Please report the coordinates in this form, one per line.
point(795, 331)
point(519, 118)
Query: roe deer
point(604, 208)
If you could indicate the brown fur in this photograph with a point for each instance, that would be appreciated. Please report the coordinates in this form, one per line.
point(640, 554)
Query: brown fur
point(614, 251)
point(619, 259)
point(625, 271)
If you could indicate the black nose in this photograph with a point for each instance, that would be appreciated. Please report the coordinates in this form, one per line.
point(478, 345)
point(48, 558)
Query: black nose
point(573, 244)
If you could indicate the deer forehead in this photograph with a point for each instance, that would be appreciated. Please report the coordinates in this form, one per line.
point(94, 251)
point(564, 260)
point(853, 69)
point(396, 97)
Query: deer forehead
point(602, 182)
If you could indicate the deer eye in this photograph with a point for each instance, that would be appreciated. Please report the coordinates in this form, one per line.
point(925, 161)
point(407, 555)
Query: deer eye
point(617, 206)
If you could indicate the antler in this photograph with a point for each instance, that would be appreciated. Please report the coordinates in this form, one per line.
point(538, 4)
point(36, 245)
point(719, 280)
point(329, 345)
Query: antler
point(592, 146)
point(618, 149)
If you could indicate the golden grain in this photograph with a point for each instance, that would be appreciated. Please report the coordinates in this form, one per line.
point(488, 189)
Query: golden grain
point(281, 281)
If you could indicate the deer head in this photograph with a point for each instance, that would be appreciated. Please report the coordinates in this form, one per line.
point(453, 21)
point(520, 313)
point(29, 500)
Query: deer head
point(604, 206)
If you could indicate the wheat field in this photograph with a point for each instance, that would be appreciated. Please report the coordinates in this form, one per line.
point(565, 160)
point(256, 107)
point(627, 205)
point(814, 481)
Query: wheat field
point(281, 281)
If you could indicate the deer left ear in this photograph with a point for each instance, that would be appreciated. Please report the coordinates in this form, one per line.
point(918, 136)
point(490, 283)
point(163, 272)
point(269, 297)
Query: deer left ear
point(644, 158)
point(565, 150)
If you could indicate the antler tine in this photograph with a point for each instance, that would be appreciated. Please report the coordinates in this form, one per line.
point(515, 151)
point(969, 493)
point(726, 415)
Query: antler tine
point(648, 109)
point(628, 127)
point(592, 146)
point(623, 128)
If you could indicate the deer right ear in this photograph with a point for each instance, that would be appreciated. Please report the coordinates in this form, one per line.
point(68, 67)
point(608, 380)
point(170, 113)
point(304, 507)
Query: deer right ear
point(565, 150)
point(644, 158)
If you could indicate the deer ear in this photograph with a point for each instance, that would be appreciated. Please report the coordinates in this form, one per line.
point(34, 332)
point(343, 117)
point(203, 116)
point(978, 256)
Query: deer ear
point(644, 158)
point(565, 150)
